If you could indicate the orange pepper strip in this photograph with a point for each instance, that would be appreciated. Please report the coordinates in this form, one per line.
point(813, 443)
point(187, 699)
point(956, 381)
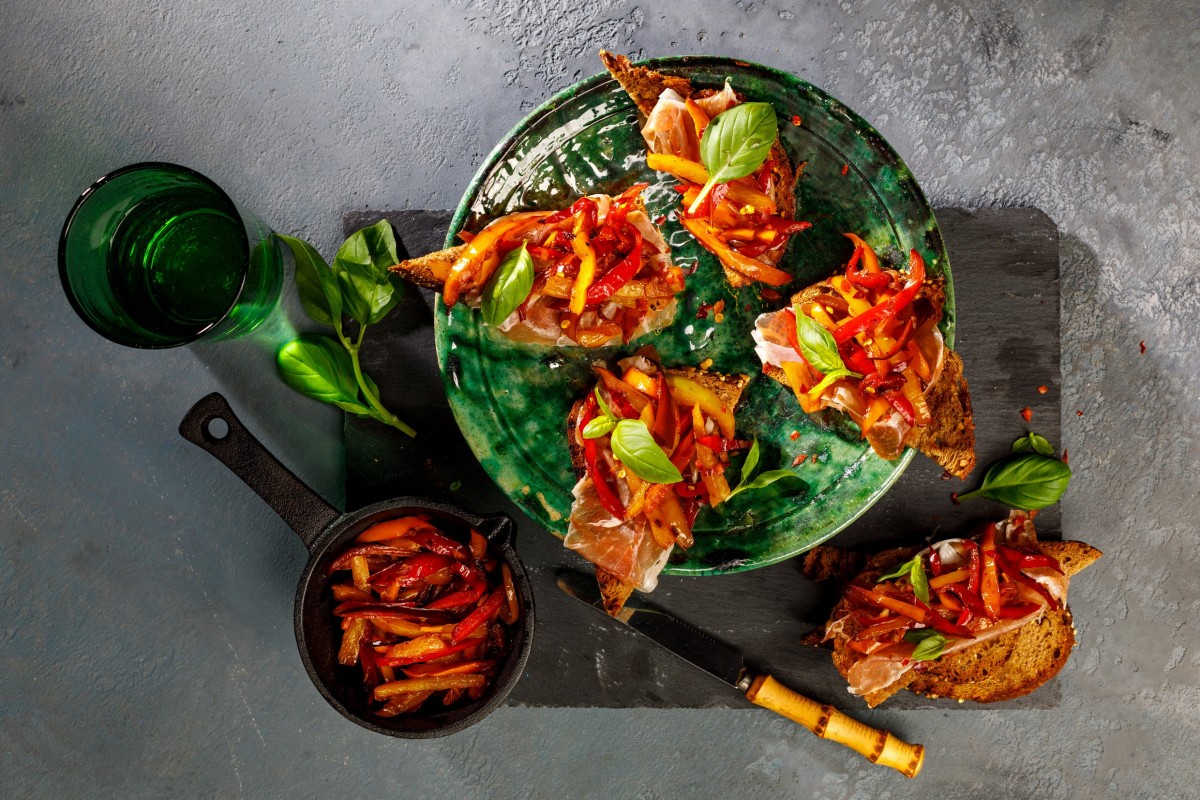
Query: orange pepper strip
point(750, 267)
point(385, 691)
point(948, 578)
point(393, 529)
point(473, 268)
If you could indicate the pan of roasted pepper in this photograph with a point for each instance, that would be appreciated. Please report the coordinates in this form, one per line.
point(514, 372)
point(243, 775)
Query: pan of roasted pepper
point(413, 618)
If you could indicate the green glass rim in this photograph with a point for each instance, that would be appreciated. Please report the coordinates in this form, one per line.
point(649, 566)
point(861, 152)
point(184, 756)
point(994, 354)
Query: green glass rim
point(111, 176)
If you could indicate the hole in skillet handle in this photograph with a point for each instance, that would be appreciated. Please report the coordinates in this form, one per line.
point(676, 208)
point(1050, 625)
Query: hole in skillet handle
point(318, 634)
point(215, 429)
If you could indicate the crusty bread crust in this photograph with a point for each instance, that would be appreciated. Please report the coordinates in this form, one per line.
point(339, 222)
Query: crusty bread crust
point(1008, 666)
point(644, 85)
point(429, 271)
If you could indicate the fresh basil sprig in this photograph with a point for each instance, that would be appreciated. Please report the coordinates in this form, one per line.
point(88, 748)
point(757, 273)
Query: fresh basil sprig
point(508, 287)
point(736, 143)
point(914, 570)
point(930, 643)
point(1033, 443)
point(1025, 482)
point(602, 424)
point(360, 286)
point(633, 445)
point(768, 478)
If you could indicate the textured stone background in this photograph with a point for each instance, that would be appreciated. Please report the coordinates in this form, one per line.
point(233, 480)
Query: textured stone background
point(145, 596)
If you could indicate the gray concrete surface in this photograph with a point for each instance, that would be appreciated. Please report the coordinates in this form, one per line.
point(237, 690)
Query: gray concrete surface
point(145, 638)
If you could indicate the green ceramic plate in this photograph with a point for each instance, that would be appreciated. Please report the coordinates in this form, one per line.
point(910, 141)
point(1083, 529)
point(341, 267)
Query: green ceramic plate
point(511, 401)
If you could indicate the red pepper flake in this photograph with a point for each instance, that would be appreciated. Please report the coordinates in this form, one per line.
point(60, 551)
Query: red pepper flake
point(954, 498)
point(1142, 346)
point(946, 475)
point(702, 312)
point(1079, 413)
point(1026, 414)
point(659, 220)
point(1064, 456)
point(796, 120)
point(1043, 389)
point(814, 458)
point(746, 307)
point(719, 311)
point(798, 460)
point(770, 294)
point(794, 435)
point(845, 169)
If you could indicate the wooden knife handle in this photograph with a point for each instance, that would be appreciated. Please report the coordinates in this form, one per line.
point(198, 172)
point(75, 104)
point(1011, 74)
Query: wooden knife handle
point(880, 747)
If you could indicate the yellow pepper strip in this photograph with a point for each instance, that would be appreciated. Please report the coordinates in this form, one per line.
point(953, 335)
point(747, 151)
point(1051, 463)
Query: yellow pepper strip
point(818, 312)
point(912, 390)
point(385, 690)
point(711, 470)
point(481, 256)
point(688, 393)
point(360, 572)
point(587, 265)
point(869, 259)
point(694, 172)
point(797, 375)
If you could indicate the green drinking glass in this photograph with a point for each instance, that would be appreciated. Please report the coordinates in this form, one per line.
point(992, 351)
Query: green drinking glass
point(156, 255)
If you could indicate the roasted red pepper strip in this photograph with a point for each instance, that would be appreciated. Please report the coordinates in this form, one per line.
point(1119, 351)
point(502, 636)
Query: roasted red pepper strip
point(684, 451)
point(1029, 560)
point(600, 291)
point(935, 562)
point(857, 359)
point(691, 489)
point(874, 382)
point(354, 609)
point(471, 574)
point(368, 550)
point(888, 308)
point(1011, 572)
point(970, 601)
point(973, 566)
point(869, 280)
point(925, 615)
point(410, 570)
point(902, 404)
point(401, 661)
point(582, 205)
point(441, 545)
point(457, 599)
point(608, 498)
point(480, 616)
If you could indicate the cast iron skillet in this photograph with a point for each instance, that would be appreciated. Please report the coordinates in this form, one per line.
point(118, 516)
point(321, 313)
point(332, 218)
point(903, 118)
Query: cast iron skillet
point(324, 532)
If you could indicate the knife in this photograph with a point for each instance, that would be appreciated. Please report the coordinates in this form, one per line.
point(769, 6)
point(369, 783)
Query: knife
point(722, 661)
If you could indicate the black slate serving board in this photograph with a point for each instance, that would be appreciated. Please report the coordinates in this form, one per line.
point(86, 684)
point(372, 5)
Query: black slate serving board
point(1005, 266)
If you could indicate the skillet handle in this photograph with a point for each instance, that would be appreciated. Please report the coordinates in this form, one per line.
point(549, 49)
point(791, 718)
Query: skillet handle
point(299, 506)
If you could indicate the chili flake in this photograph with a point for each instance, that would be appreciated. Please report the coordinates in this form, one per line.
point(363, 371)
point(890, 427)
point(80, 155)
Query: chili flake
point(954, 498)
point(770, 294)
point(1079, 413)
point(796, 120)
point(1064, 456)
point(706, 363)
point(845, 169)
point(794, 435)
point(1043, 389)
point(798, 460)
point(659, 220)
point(1026, 414)
point(1142, 346)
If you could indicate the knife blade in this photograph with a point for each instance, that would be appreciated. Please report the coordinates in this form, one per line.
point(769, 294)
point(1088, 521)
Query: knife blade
point(724, 662)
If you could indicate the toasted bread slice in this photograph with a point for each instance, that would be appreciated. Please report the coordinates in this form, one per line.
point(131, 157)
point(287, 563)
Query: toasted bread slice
point(644, 85)
point(1008, 666)
point(727, 387)
point(429, 271)
point(950, 439)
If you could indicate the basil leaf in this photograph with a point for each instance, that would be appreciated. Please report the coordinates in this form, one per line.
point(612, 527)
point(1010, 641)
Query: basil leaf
point(770, 478)
point(604, 409)
point(509, 286)
point(1025, 482)
point(369, 289)
point(320, 368)
point(315, 282)
point(598, 426)
point(749, 465)
point(633, 445)
point(930, 643)
point(818, 346)
point(919, 580)
point(738, 141)
point(1033, 443)
point(902, 570)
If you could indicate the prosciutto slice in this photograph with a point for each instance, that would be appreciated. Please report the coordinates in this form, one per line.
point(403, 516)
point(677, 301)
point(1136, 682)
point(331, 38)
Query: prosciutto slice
point(624, 547)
